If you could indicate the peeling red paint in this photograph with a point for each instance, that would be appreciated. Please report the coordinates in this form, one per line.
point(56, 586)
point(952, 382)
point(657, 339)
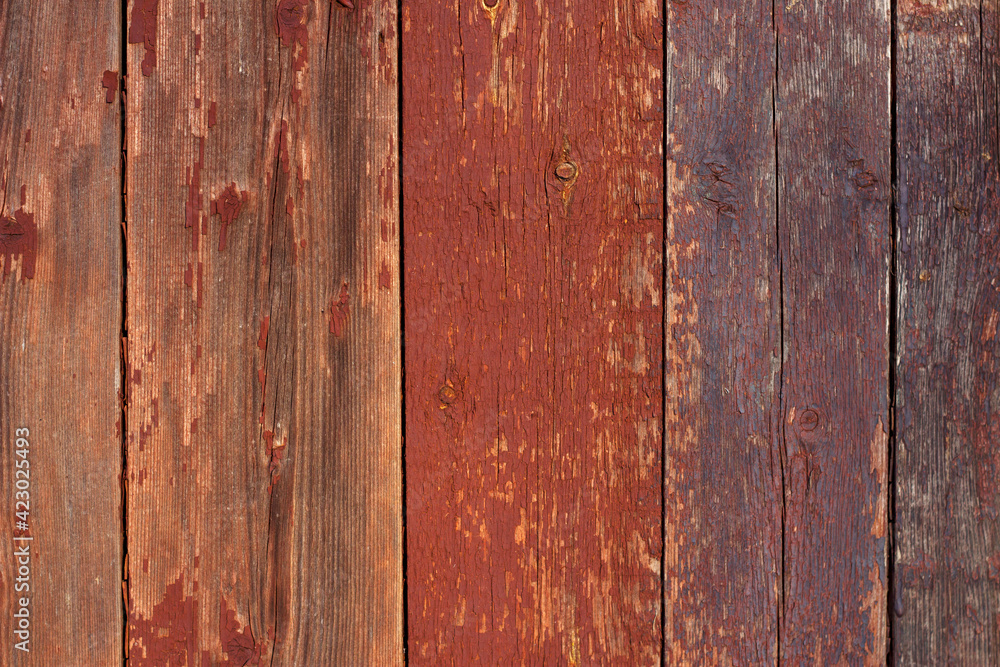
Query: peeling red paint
point(346, 3)
point(189, 275)
point(290, 20)
point(143, 31)
point(197, 103)
point(384, 279)
point(194, 426)
point(19, 238)
point(289, 206)
point(110, 82)
point(228, 206)
point(197, 42)
point(261, 377)
point(169, 636)
point(339, 311)
point(264, 326)
point(238, 642)
point(212, 114)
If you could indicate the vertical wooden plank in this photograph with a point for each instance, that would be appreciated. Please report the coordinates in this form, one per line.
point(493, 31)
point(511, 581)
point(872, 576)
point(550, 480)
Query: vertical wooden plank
point(60, 319)
point(833, 123)
point(264, 434)
point(533, 226)
point(947, 584)
point(722, 474)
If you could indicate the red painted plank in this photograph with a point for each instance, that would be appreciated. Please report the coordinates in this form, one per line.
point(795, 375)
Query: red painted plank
point(533, 223)
point(722, 480)
point(60, 330)
point(833, 122)
point(947, 597)
point(264, 412)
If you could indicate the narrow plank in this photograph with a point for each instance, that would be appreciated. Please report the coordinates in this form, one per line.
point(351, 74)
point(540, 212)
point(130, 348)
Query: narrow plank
point(834, 125)
point(60, 321)
point(533, 246)
point(264, 426)
point(722, 474)
point(947, 583)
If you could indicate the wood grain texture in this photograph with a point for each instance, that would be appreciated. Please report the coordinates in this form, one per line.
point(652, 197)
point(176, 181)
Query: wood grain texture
point(60, 318)
point(833, 129)
point(533, 221)
point(722, 474)
point(264, 434)
point(947, 597)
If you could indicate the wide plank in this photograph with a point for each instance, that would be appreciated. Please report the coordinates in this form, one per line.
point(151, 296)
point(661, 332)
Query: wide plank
point(60, 325)
point(264, 406)
point(533, 219)
point(947, 577)
point(722, 473)
point(834, 232)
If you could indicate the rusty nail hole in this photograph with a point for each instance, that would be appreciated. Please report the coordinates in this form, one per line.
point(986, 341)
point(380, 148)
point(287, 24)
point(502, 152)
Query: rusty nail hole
point(447, 395)
point(565, 171)
point(809, 420)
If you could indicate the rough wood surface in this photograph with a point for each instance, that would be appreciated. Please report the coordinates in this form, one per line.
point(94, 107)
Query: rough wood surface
point(60, 300)
point(833, 129)
point(947, 597)
point(722, 473)
point(533, 222)
point(264, 437)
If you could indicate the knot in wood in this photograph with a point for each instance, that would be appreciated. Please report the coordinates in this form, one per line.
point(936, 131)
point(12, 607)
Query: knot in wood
point(565, 171)
point(808, 420)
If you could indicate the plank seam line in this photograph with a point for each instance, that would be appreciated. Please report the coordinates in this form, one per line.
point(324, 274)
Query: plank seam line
point(782, 445)
point(402, 334)
point(890, 557)
point(663, 342)
point(123, 347)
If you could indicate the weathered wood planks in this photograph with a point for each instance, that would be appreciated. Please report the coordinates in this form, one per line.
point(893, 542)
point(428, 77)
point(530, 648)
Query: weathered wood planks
point(264, 436)
point(533, 225)
point(60, 309)
point(722, 474)
point(833, 128)
point(947, 583)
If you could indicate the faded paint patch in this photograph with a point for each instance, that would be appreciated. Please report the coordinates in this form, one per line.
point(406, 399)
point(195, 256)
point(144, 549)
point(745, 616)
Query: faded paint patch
point(142, 30)
point(19, 239)
point(169, 636)
point(110, 84)
point(228, 206)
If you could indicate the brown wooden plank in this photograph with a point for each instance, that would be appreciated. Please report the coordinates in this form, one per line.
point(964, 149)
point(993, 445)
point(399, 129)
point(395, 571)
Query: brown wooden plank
point(533, 221)
point(947, 575)
point(264, 434)
point(60, 320)
point(833, 122)
point(722, 475)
